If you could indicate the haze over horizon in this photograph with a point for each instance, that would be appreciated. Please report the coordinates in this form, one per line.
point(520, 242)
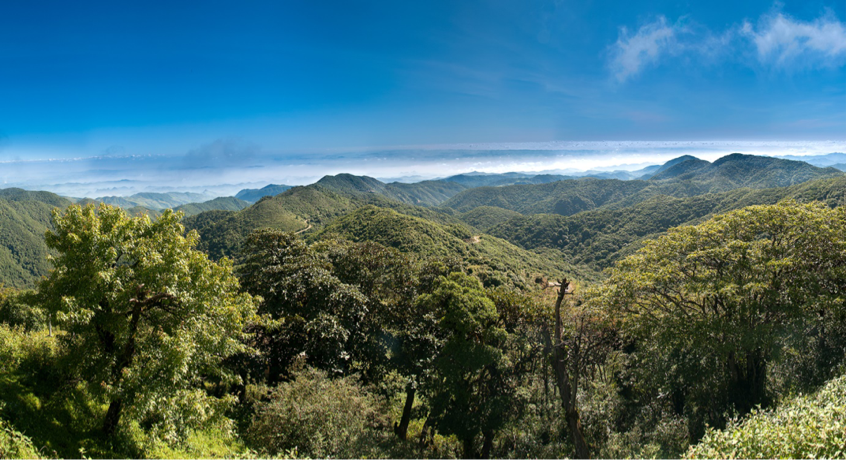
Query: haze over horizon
point(102, 96)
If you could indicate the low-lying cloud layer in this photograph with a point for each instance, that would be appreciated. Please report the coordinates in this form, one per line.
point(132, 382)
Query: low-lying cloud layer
point(776, 40)
point(225, 166)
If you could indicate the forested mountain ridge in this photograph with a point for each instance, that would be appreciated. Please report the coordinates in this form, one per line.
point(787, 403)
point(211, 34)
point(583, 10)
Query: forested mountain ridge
point(426, 193)
point(738, 170)
point(597, 238)
point(299, 209)
point(224, 203)
point(155, 201)
point(690, 177)
point(496, 261)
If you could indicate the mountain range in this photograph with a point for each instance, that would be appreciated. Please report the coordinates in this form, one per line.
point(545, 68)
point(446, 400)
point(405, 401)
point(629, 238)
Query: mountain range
point(522, 227)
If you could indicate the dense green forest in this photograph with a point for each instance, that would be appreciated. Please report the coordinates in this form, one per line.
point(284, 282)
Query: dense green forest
point(699, 311)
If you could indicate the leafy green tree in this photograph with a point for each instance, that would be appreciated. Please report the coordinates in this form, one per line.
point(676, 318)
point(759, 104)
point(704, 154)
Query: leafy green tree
point(311, 312)
point(148, 317)
point(470, 389)
point(712, 306)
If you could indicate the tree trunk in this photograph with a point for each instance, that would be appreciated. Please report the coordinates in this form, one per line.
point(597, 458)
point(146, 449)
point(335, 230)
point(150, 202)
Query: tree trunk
point(565, 389)
point(124, 361)
point(469, 452)
point(487, 445)
point(112, 417)
point(574, 423)
point(402, 429)
point(748, 381)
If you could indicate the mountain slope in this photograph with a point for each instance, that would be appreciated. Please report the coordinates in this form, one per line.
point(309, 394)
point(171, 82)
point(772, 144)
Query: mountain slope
point(155, 201)
point(224, 203)
point(599, 237)
point(485, 217)
point(251, 195)
point(563, 197)
point(685, 178)
point(495, 260)
point(24, 218)
point(738, 170)
point(426, 193)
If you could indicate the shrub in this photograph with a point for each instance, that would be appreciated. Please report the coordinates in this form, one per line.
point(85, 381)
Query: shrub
point(19, 309)
point(806, 426)
point(13, 444)
point(315, 416)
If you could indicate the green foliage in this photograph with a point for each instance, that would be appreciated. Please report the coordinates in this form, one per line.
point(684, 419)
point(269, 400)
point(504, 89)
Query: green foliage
point(317, 417)
point(804, 426)
point(24, 217)
point(312, 313)
point(13, 444)
point(712, 306)
point(21, 309)
point(494, 261)
point(485, 217)
point(470, 391)
point(149, 318)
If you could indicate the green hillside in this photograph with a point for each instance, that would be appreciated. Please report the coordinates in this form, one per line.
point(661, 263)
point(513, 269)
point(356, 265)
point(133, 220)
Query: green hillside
point(222, 232)
point(738, 170)
point(24, 217)
point(563, 197)
point(485, 217)
point(224, 203)
point(495, 258)
point(599, 237)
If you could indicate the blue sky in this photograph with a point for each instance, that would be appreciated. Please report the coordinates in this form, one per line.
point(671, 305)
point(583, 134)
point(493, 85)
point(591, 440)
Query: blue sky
point(83, 79)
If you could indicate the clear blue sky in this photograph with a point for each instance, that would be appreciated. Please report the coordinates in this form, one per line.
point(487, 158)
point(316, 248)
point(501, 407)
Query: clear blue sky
point(84, 78)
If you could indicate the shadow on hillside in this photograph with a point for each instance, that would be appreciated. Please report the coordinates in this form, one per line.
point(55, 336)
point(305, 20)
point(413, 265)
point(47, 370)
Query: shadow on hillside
point(62, 420)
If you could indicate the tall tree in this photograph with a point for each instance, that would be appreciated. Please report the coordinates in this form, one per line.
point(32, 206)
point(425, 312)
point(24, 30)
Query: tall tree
point(470, 390)
point(147, 316)
point(713, 305)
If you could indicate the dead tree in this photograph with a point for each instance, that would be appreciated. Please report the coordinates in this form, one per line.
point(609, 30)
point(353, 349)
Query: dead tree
point(568, 364)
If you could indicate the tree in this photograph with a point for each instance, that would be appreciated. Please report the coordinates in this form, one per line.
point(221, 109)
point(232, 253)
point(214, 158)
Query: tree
point(711, 306)
point(470, 391)
point(148, 318)
point(581, 338)
point(311, 311)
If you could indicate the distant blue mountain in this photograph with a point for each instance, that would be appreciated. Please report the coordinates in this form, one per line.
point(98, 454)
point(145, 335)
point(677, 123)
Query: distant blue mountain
point(251, 195)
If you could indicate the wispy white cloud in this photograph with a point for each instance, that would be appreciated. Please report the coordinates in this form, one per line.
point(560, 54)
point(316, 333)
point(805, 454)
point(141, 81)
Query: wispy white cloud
point(778, 40)
point(783, 41)
point(631, 53)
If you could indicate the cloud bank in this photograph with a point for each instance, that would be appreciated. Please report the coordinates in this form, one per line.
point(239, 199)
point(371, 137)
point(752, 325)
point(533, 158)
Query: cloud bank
point(215, 168)
point(779, 41)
